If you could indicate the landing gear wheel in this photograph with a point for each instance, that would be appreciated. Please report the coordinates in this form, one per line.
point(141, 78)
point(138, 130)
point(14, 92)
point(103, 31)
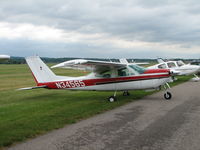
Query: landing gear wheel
point(167, 95)
point(126, 93)
point(112, 99)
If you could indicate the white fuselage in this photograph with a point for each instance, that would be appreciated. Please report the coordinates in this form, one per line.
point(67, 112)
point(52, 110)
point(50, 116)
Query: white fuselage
point(178, 67)
point(90, 82)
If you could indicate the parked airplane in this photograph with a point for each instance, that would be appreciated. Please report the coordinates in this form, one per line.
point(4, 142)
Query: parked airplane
point(4, 57)
point(178, 67)
point(105, 76)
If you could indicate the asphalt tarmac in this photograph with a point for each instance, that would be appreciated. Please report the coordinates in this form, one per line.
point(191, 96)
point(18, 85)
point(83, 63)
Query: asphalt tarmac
point(151, 123)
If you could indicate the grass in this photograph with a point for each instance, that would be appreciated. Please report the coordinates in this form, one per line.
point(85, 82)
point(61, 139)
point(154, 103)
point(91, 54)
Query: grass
point(26, 114)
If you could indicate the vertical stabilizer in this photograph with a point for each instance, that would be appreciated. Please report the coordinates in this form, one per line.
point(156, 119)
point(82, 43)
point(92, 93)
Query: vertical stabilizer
point(40, 70)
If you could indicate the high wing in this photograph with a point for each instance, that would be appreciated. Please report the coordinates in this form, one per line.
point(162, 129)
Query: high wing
point(89, 65)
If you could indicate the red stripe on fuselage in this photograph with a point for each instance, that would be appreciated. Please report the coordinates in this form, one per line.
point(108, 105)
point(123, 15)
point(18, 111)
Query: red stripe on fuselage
point(149, 71)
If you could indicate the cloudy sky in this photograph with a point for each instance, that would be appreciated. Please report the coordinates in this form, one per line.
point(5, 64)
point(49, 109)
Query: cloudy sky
point(100, 28)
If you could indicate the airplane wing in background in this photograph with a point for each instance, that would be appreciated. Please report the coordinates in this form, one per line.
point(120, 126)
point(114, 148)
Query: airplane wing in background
point(160, 60)
point(125, 61)
point(4, 57)
point(89, 65)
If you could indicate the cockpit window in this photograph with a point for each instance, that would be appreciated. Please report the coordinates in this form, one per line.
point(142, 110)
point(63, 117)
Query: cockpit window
point(171, 65)
point(162, 66)
point(137, 68)
point(180, 63)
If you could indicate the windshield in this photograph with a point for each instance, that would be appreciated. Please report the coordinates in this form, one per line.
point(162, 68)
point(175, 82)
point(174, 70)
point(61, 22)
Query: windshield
point(171, 65)
point(180, 63)
point(137, 68)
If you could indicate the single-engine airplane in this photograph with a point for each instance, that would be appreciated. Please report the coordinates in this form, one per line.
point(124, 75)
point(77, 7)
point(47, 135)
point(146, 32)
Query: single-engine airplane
point(104, 76)
point(178, 67)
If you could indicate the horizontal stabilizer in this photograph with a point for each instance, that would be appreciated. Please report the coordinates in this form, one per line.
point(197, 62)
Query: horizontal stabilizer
point(30, 88)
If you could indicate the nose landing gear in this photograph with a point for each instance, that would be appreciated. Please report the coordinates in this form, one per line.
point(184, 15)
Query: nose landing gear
point(167, 94)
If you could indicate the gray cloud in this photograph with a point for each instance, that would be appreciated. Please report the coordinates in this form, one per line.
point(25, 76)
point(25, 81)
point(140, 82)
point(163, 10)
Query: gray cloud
point(166, 22)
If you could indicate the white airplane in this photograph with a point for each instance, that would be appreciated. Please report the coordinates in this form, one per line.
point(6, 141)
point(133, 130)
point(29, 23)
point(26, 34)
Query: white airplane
point(105, 76)
point(177, 67)
point(4, 57)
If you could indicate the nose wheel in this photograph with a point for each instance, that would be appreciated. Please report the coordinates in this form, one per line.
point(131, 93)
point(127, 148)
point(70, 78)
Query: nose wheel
point(167, 94)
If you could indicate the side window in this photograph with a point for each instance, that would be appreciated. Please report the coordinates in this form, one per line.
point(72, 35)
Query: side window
point(162, 66)
point(106, 74)
point(171, 65)
point(123, 72)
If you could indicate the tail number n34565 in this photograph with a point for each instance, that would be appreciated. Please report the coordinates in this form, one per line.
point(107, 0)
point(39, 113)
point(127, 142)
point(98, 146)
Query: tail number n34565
point(70, 84)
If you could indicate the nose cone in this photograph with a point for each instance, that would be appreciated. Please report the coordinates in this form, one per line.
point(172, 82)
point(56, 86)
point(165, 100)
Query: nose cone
point(175, 72)
point(196, 68)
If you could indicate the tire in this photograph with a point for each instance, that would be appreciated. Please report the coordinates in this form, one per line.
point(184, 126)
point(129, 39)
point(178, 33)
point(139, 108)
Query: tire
point(167, 95)
point(112, 99)
point(126, 93)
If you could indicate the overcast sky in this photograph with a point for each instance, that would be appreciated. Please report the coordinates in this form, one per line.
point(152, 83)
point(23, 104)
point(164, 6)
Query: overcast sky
point(100, 28)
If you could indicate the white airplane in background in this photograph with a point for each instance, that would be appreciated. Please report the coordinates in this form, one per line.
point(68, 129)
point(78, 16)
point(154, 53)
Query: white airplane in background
point(125, 61)
point(4, 57)
point(178, 67)
point(104, 76)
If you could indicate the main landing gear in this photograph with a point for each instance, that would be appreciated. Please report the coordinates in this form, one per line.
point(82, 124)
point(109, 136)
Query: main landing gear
point(167, 94)
point(196, 78)
point(112, 98)
point(126, 93)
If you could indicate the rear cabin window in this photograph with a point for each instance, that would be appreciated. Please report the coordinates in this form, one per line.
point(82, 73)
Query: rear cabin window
point(105, 74)
point(162, 66)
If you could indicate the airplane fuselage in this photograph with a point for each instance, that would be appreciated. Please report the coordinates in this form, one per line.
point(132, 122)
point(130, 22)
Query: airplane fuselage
point(180, 68)
point(148, 80)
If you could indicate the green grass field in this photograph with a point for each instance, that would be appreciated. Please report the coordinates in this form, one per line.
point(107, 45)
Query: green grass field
point(26, 114)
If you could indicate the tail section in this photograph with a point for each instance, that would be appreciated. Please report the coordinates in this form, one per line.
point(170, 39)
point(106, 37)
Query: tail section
point(40, 70)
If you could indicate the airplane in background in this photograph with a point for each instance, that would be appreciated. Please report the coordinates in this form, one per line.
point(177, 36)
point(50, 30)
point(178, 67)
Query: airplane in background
point(177, 67)
point(4, 57)
point(104, 76)
point(125, 61)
